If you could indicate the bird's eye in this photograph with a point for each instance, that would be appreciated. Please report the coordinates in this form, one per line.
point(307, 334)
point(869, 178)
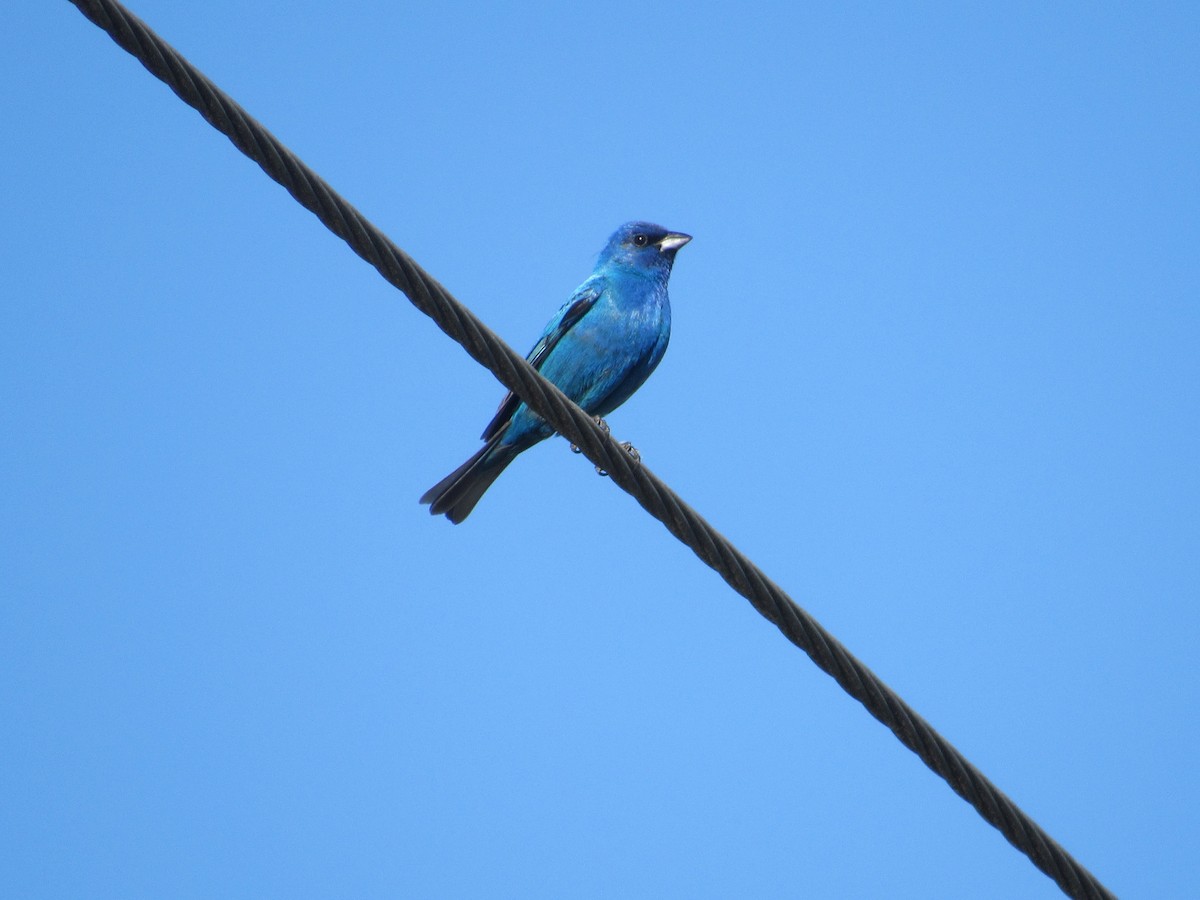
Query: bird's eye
point(641, 240)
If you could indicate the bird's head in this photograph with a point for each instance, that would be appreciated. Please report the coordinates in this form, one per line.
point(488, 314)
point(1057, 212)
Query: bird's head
point(642, 247)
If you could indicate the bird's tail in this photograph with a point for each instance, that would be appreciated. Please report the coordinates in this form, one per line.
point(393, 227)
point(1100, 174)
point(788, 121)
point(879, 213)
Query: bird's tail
point(457, 493)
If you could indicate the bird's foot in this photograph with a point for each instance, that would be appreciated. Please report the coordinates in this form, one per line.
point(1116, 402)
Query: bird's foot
point(628, 448)
point(603, 427)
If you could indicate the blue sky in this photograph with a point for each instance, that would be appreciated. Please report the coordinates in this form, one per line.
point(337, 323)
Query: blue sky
point(934, 366)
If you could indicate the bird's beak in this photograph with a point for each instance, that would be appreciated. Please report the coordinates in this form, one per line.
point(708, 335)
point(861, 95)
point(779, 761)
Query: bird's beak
point(673, 241)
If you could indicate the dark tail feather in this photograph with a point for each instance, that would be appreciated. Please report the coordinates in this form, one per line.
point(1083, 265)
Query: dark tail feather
point(457, 493)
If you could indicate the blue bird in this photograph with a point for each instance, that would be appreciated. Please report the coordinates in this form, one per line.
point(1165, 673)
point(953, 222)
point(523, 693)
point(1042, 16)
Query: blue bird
point(598, 349)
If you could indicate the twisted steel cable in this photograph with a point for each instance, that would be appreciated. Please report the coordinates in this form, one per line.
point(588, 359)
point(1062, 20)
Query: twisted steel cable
point(511, 369)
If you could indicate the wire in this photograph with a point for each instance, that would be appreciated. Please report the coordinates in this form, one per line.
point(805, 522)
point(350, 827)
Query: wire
point(660, 501)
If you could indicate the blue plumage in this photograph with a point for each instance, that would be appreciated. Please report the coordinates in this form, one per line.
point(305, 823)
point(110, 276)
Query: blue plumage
point(598, 349)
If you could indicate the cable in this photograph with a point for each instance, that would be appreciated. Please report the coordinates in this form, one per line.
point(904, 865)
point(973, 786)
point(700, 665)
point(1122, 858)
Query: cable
point(660, 501)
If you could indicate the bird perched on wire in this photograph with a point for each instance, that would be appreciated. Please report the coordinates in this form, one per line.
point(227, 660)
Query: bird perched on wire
point(598, 349)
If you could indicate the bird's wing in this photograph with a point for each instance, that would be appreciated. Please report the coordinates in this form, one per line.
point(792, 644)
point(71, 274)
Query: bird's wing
point(572, 311)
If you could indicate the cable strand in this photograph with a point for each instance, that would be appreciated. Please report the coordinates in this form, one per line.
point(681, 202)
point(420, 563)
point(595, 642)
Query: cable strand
point(459, 323)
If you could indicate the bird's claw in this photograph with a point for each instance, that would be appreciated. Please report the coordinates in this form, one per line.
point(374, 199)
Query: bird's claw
point(625, 445)
point(603, 427)
point(628, 448)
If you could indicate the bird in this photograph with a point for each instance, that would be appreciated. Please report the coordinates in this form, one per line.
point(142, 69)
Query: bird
point(598, 349)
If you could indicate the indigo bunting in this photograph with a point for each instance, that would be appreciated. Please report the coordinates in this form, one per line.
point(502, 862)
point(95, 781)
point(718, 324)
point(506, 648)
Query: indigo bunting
point(598, 349)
